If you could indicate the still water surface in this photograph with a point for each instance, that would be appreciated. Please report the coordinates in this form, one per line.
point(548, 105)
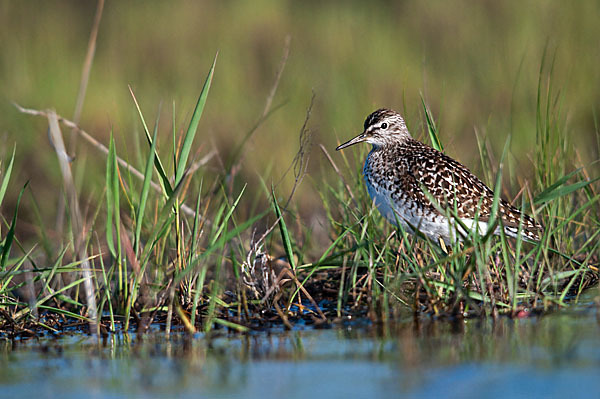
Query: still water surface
point(557, 355)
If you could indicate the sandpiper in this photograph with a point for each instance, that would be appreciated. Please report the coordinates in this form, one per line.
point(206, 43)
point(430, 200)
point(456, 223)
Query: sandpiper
point(418, 187)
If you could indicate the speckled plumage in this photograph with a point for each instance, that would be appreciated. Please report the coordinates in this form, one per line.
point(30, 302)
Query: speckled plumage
point(400, 170)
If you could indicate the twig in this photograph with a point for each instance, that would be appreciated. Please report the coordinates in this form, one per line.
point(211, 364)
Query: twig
point(87, 67)
point(76, 219)
point(101, 147)
point(201, 162)
point(284, 58)
point(83, 82)
point(300, 161)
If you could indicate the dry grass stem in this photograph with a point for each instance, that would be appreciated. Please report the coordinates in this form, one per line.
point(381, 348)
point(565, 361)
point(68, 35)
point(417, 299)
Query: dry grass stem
point(76, 218)
point(102, 148)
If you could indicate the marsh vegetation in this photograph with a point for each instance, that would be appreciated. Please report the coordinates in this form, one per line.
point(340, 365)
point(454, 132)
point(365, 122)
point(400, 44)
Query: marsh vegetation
point(174, 223)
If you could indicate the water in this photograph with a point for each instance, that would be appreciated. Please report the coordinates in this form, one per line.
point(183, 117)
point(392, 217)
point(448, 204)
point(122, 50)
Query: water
point(556, 355)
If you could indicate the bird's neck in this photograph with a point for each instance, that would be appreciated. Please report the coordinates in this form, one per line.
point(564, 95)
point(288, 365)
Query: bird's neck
point(391, 144)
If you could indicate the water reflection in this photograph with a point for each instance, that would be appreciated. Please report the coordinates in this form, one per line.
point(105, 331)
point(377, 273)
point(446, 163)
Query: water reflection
point(540, 355)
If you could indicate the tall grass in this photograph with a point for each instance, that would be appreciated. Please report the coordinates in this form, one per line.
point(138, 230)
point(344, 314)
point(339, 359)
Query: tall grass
point(485, 274)
point(155, 259)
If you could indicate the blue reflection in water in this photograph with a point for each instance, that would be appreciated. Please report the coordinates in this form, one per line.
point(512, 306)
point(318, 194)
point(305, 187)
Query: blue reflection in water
point(557, 355)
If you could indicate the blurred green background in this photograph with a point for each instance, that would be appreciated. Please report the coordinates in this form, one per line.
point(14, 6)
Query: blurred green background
point(475, 63)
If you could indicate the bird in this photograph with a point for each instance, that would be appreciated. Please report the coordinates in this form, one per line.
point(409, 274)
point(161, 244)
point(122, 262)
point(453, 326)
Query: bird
point(423, 190)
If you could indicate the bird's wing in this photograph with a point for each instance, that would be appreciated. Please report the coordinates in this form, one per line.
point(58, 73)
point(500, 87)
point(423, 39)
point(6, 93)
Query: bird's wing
point(453, 186)
point(450, 184)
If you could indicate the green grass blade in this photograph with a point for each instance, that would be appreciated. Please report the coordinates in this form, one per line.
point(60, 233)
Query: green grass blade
point(164, 220)
point(6, 177)
point(285, 236)
point(110, 199)
point(64, 312)
point(164, 180)
point(145, 191)
point(233, 326)
point(227, 216)
point(556, 184)
point(113, 212)
point(59, 291)
point(218, 245)
point(195, 226)
point(6, 278)
point(7, 244)
point(193, 242)
point(558, 189)
point(431, 128)
point(193, 127)
point(107, 294)
point(497, 190)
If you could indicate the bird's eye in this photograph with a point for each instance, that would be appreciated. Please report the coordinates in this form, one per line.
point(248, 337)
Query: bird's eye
point(384, 125)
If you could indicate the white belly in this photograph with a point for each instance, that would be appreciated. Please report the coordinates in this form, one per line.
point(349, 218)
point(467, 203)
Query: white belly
point(411, 218)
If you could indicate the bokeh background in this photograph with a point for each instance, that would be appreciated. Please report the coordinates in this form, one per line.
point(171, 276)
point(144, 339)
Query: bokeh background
point(476, 64)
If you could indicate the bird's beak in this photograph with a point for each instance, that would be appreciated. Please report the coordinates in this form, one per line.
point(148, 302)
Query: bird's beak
point(358, 139)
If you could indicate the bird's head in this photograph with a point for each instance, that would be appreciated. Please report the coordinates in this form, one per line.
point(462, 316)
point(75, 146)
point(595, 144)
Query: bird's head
point(383, 127)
